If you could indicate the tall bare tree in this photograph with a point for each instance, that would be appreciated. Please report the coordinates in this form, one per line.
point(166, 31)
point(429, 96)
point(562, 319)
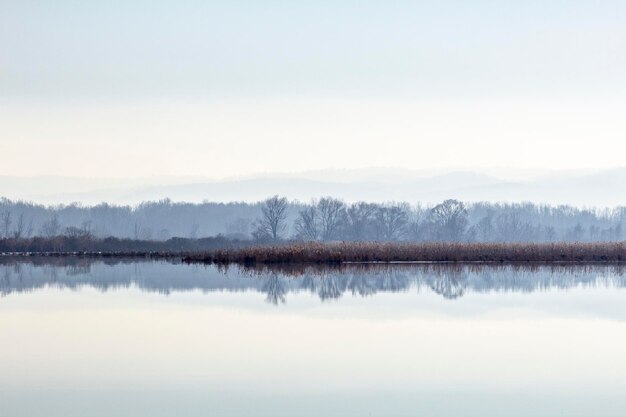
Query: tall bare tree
point(137, 230)
point(20, 227)
point(51, 228)
point(272, 223)
point(28, 233)
point(332, 213)
point(6, 224)
point(392, 221)
point(360, 218)
point(451, 218)
point(307, 224)
point(484, 228)
point(84, 231)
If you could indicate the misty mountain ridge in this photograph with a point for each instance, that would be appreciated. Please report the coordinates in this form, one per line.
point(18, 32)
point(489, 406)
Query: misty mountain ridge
point(606, 188)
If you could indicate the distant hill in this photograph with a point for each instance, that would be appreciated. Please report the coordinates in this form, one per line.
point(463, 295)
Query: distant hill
point(600, 188)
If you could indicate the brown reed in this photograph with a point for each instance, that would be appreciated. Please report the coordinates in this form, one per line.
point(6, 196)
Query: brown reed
point(352, 252)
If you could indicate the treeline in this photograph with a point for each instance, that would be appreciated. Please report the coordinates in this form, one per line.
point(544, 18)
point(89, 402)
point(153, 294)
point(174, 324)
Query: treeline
point(155, 220)
point(330, 219)
point(326, 219)
point(113, 245)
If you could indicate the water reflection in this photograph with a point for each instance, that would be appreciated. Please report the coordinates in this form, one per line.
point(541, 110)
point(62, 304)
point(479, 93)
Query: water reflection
point(449, 281)
point(404, 340)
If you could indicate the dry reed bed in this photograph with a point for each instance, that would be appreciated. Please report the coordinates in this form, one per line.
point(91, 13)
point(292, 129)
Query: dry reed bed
point(346, 252)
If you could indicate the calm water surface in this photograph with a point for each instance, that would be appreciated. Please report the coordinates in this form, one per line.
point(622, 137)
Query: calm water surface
point(82, 339)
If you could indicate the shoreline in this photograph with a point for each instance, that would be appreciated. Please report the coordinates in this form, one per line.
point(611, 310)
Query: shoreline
point(372, 253)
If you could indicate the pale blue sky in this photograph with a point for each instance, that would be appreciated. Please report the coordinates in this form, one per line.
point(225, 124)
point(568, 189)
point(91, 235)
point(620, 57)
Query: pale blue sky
point(176, 62)
point(237, 48)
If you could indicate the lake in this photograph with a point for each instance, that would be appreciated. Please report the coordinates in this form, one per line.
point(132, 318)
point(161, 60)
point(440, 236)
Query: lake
point(82, 338)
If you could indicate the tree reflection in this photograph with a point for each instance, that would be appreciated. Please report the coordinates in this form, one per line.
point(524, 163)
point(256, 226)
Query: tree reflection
point(362, 285)
point(330, 288)
point(449, 281)
point(450, 285)
point(275, 289)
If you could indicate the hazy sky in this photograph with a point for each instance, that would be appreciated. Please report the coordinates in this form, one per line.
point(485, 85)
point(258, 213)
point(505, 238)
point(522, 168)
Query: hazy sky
point(141, 88)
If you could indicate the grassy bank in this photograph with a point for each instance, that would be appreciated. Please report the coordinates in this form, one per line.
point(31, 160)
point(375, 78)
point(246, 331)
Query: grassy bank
point(345, 252)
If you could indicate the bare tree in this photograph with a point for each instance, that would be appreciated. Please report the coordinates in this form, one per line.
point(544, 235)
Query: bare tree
point(73, 232)
point(417, 217)
point(51, 227)
point(391, 221)
point(6, 223)
point(360, 218)
point(306, 225)
point(550, 233)
point(84, 231)
point(272, 223)
point(484, 228)
point(332, 213)
point(29, 229)
point(509, 227)
point(20, 226)
point(140, 232)
point(577, 232)
point(86, 228)
point(451, 219)
point(137, 230)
